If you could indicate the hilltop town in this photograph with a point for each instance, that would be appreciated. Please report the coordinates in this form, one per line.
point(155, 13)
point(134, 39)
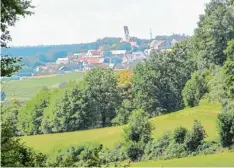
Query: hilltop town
point(109, 52)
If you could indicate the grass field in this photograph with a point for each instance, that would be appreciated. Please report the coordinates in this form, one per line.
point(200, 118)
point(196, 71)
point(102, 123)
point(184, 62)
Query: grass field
point(216, 160)
point(25, 89)
point(206, 113)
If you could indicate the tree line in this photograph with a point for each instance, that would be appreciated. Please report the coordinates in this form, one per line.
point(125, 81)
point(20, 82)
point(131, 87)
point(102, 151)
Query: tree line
point(201, 67)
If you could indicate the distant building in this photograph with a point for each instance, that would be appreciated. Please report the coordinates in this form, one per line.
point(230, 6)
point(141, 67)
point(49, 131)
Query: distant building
point(118, 52)
point(62, 61)
point(138, 55)
point(94, 53)
point(160, 44)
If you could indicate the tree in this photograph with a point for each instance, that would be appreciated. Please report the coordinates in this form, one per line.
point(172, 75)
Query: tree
point(11, 10)
point(195, 89)
point(230, 50)
point(30, 115)
point(228, 72)
point(159, 81)
point(215, 29)
point(226, 127)
point(138, 128)
point(195, 137)
point(137, 134)
point(14, 153)
point(103, 95)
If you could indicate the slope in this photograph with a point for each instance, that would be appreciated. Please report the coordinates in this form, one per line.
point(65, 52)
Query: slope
point(221, 159)
point(109, 136)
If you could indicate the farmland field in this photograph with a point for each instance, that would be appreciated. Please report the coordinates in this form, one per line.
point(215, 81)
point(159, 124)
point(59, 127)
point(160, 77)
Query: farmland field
point(25, 89)
point(221, 159)
point(206, 113)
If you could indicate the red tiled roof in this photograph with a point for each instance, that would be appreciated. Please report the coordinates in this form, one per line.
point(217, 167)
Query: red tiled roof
point(91, 60)
point(96, 52)
point(82, 54)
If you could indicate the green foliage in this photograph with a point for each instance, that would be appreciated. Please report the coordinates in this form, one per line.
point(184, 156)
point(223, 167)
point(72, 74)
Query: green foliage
point(31, 115)
point(176, 150)
point(230, 50)
point(103, 95)
point(159, 81)
point(179, 134)
point(226, 126)
point(195, 137)
point(68, 110)
point(156, 149)
point(10, 12)
point(215, 29)
point(14, 153)
point(215, 85)
point(195, 89)
point(208, 148)
point(228, 71)
point(9, 112)
point(114, 155)
point(123, 113)
point(134, 150)
point(138, 128)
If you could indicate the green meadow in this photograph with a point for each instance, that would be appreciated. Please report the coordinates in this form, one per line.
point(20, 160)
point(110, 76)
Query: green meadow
point(217, 160)
point(25, 89)
point(206, 113)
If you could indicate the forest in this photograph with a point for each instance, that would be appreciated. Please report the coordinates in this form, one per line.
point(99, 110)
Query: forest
point(196, 69)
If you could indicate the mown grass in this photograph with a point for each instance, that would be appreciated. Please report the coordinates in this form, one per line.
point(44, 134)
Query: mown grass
point(206, 113)
point(216, 160)
point(25, 89)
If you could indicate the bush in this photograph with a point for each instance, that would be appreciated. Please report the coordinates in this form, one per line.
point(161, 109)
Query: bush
point(194, 89)
point(156, 149)
point(176, 150)
point(179, 134)
point(208, 148)
point(117, 154)
point(135, 151)
point(139, 128)
point(226, 127)
point(194, 139)
point(76, 156)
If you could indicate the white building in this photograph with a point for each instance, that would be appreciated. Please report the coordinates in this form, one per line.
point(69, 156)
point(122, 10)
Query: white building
point(118, 52)
point(93, 53)
point(62, 61)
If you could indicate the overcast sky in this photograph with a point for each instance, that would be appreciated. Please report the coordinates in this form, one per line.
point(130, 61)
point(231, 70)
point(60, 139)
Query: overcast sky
point(76, 21)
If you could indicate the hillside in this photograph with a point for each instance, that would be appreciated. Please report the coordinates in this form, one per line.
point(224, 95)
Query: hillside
point(222, 159)
point(109, 136)
point(27, 88)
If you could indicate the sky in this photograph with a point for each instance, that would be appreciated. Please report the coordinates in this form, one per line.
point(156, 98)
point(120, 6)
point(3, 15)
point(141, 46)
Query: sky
point(81, 21)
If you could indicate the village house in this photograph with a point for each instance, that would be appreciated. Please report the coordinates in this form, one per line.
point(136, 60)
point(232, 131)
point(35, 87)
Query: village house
point(94, 53)
point(160, 44)
point(138, 55)
point(118, 52)
point(62, 61)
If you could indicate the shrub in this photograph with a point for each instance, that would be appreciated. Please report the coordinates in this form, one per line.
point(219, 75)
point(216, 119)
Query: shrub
point(226, 127)
point(194, 89)
point(194, 139)
point(139, 128)
point(179, 134)
point(134, 151)
point(117, 154)
point(208, 148)
point(175, 150)
point(156, 149)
